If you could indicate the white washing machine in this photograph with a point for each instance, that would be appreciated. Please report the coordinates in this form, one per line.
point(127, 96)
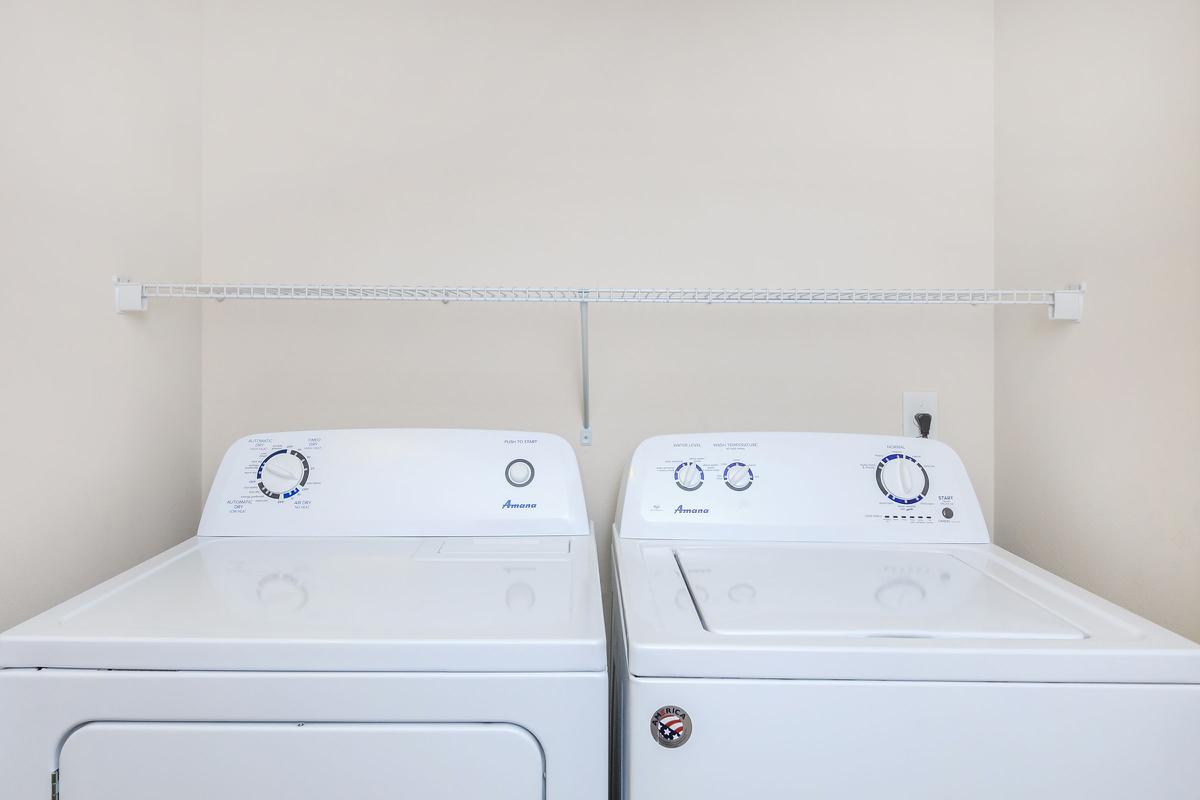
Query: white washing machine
point(364, 613)
point(824, 616)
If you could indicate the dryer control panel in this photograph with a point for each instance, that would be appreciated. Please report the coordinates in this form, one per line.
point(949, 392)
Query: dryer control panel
point(400, 482)
point(817, 487)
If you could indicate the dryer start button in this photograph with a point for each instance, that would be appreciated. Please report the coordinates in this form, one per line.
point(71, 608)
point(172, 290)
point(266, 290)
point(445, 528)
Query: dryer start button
point(519, 472)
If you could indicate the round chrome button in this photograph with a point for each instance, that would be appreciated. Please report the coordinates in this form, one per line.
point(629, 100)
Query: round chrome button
point(519, 472)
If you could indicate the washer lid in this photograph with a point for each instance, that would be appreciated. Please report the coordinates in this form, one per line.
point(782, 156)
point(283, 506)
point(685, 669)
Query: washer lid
point(876, 612)
point(529, 604)
point(873, 593)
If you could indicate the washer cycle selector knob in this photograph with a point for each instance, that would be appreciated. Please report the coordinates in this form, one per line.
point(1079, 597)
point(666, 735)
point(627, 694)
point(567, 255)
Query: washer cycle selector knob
point(902, 478)
point(519, 472)
point(282, 474)
point(738, 476)
point(689, 476)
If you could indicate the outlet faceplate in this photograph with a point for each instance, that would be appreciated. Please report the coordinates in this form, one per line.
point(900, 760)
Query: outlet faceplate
point(916, 403)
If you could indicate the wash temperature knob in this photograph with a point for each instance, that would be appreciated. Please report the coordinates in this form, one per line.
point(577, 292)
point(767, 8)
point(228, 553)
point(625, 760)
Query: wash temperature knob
point(738, 476)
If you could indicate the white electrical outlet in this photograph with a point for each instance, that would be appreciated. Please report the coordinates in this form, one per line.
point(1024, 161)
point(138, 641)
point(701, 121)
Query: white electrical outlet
point(918, 403)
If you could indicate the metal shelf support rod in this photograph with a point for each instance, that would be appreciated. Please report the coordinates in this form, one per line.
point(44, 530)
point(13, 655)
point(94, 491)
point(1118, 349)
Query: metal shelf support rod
point(585, 435)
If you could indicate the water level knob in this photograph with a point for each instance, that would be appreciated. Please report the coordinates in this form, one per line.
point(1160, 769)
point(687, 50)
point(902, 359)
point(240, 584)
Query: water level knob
point(689, 476)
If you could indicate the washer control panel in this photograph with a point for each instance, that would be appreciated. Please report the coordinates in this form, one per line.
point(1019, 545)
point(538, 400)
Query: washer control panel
point(405, 482)
point(799, 487)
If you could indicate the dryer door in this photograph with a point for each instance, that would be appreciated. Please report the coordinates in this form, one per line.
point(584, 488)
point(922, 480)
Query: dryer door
point(316, 761)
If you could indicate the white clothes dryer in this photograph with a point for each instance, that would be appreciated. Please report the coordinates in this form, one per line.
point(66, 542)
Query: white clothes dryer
point(363, 613)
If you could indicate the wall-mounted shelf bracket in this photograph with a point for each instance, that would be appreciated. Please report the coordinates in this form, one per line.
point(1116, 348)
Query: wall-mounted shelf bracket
point(129, 295)
point(1065, 304)
point(1068, 303)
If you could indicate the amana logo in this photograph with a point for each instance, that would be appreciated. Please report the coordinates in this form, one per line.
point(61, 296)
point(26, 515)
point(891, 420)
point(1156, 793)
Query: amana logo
point(511, 504)
point(682, 510)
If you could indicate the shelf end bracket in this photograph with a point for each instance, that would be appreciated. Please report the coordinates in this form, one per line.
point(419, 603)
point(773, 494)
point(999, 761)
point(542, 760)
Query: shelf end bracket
point(128, 295)
point(1068, 303)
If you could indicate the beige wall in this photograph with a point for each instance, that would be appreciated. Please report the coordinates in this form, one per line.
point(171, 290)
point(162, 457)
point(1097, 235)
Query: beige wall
point(702, 144)
point(1098, 177)
point(99, 170)
point(573, 144)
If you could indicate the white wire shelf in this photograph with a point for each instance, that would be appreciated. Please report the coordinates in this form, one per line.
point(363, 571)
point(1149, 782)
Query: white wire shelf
point(1063, 304)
